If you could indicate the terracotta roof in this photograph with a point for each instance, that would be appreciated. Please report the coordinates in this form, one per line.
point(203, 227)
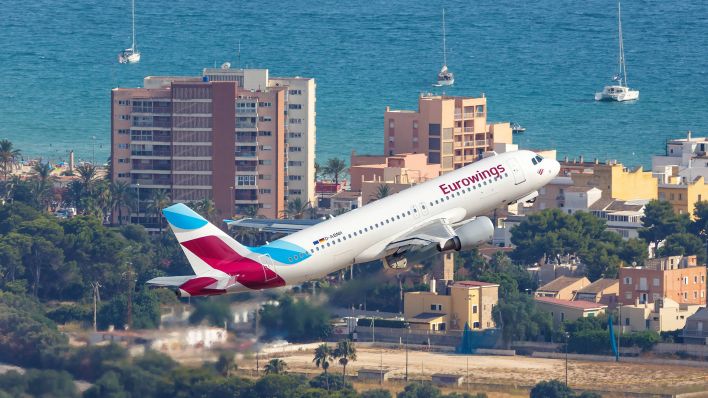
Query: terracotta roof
point(599, 285)
point(581, 305)
point(558, 284)
point(473, 284)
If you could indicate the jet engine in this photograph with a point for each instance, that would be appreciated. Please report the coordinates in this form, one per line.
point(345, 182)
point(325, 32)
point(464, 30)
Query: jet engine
point(471, 234)
point(466, 236)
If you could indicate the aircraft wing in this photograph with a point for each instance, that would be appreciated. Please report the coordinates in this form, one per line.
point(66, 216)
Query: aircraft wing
point(435, 232)
point(273, 225)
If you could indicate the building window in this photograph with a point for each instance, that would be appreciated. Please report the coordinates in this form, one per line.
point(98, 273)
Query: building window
point(294, 149)
point(265, 191)
point(265, 162)
point(294, 135)
point(436, 307)
point(265, 104)
point(294, 106)
point(627, 280)
point(295, 178)
point(685, 280)
point(264, 119)
point(685, 295)
point(295, 121)
point(124, 131)
point(246, 180)
point(628, 295)
point(123, 146)
point(295, 92)
point(265, 133)
point(296, 163)
point(474, 309)
point(123, 160)
point(656, 281)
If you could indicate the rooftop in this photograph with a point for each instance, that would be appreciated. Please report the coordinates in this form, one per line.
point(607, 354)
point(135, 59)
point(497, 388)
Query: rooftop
point(428, 316)
point(473, 284)
point(558, 284)
point(581, 305)
point(599, 285)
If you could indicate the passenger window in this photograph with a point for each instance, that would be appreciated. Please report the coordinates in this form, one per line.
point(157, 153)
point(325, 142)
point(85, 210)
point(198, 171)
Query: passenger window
point(328, 244)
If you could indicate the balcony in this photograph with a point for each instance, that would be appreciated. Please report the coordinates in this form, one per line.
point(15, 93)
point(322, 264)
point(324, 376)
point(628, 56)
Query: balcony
point(458, 144)
point(469, 129)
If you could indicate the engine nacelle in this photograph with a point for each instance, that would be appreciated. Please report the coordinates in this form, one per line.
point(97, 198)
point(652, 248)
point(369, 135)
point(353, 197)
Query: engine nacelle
point(471, 234)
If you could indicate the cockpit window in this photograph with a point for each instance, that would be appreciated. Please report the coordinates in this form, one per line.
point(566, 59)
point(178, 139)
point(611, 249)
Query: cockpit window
point(534, 161)
point(537, 159)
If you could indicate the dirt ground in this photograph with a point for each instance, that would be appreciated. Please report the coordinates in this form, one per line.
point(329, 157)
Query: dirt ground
point(519, 371)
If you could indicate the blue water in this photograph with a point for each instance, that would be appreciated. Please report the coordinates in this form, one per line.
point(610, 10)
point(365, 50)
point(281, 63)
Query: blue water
point(538, 63)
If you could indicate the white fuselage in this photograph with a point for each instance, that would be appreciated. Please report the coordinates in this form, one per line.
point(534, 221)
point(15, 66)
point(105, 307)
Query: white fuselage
point(363, 234)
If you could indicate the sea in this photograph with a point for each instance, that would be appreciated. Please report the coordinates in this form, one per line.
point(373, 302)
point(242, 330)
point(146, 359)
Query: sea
point(539, 64)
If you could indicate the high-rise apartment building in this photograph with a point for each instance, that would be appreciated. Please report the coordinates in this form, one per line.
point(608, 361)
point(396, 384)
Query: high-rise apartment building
point(223, 136)
point(452, 131)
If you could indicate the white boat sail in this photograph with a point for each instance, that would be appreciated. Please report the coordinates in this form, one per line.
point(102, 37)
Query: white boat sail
point(130, 55)
point(445, 77)
point(620, 91)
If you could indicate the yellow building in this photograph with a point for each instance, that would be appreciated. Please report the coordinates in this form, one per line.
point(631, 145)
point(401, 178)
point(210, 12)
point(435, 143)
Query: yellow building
point(663, 315)
point(465, 302)
point(683, 196)
point(562, 310)
point(613, 179)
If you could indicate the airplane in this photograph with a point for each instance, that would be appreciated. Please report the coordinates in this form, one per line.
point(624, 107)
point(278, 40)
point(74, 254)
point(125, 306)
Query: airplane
point(439, 215)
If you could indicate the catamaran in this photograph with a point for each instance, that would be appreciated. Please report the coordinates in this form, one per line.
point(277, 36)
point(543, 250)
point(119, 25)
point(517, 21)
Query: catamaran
point(445, 77)
point(130, 55)
point(620, 91)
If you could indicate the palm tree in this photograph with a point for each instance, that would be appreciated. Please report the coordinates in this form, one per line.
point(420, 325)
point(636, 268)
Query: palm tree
point(382, 191)
point(275, 366)
point(323, 354)
point(206, 208)
point(122, 196)
point(104, 197)
point(8, 157)
point(318, 171)
point(159, 199)
point(43, 183)
point(87, 175)
point(346, 352)
point(335, 167)
point(296, 209)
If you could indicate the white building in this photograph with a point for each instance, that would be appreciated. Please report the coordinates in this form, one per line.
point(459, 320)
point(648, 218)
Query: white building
point(684, 157)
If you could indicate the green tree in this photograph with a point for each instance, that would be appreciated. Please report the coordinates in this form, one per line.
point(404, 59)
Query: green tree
point(295, 320)
point(323, 354)
point(215, 310)
point(684, 244)
point(419, 390)
point(382, 191)
point(375, 393)
point(334, 168)
point(275, 366)
point(634, 251)
point(225, 364)
point(548, 234)
point(660, 221)
point(9, 156)
point(296, 209)
point(159, 199)
point(123, 197)
point(345, 351)
point(278, 385)
point(520, 319)
point(551, 389)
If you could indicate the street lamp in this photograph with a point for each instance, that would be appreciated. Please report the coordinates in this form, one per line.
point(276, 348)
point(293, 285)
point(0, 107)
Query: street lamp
point(567, 337)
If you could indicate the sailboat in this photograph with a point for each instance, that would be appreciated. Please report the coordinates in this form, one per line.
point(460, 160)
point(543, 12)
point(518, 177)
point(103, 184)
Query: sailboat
point(130, 55)
point(620, 91)
point(445, 77)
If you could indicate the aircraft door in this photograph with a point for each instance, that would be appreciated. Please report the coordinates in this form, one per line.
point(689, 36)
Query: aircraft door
point(268, 267)
point(516, 170)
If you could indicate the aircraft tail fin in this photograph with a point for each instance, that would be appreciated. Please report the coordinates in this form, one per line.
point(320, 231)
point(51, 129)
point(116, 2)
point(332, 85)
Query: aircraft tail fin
point(205, 245)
